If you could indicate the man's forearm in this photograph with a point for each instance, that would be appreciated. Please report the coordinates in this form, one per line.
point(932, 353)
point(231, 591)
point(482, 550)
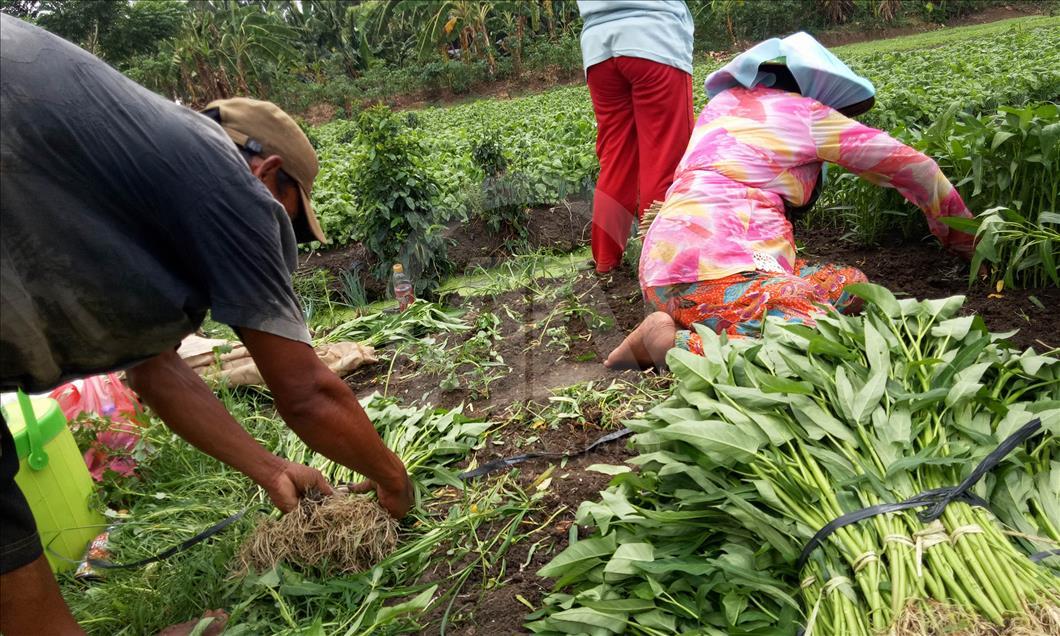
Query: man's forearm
point(334, 425)
point(325, 413)
point(180, 397)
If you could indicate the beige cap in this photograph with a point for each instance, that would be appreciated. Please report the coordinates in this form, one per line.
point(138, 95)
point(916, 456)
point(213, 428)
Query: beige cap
point(263, 128)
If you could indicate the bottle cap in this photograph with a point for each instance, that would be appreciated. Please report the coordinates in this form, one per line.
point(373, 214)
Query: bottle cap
point(399, 268)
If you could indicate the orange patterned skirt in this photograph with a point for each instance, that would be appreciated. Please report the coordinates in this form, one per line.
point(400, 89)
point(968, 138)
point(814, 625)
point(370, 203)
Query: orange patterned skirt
point(738, 304)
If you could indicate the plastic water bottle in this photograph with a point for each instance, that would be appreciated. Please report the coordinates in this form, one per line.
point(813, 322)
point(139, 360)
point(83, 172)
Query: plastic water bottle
point(403, 291)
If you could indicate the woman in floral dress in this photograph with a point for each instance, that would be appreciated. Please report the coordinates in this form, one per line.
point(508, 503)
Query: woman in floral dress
point(720, 251)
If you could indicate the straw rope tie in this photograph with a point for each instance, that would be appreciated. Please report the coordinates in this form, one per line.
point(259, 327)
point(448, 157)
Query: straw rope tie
point(833, 584)
point(931, 536)
point(1029, 537)
point(901, 539)
point(807, 582)
point(972, 528)
point(864, 560)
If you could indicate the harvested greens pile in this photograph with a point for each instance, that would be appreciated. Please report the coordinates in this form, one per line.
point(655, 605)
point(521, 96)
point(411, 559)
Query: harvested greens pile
point(384, 328)
point(766, 441)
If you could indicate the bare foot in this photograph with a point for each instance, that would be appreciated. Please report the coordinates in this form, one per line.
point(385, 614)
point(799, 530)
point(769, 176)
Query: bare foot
point(217, 618)
point(646, 347)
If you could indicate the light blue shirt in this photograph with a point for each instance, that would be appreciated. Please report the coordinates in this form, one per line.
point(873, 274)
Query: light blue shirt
point(656, 30)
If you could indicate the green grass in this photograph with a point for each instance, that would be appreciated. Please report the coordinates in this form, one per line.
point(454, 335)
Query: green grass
point(183, 491)
point(942, 36)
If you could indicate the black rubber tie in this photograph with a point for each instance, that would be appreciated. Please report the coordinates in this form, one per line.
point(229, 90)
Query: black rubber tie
point(508, 462)
point(937, 499)
point(180, 547)
point(1038, 557)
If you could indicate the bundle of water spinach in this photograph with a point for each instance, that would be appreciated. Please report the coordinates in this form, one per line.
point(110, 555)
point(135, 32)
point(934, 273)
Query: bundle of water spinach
point(765, 442)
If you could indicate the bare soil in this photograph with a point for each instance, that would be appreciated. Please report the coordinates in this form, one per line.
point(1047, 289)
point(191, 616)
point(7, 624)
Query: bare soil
point(539, 358)
point(562, 227)
point(498, 610)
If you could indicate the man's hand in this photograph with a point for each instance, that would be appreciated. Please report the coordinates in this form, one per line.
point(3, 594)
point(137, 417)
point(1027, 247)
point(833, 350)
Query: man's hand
point(322, 410)
point(397, 501)
point(292, 482)
point(190, 409)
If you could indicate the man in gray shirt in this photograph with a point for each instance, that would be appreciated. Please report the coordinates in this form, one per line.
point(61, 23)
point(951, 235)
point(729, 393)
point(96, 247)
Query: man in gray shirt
point(123, 219)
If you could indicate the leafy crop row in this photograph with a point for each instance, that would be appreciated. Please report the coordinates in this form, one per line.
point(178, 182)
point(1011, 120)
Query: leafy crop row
point(1006, 166)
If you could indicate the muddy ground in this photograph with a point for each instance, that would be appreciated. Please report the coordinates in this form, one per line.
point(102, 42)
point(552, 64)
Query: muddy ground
point(472, 244)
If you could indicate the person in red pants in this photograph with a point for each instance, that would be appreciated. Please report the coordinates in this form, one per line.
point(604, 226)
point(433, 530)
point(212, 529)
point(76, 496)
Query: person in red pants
point(638, 64)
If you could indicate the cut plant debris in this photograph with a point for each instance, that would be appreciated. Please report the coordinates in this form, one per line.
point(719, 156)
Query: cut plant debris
point(383, 328)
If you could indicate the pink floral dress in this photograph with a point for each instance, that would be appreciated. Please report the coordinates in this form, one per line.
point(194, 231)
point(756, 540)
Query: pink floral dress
point(753, 149)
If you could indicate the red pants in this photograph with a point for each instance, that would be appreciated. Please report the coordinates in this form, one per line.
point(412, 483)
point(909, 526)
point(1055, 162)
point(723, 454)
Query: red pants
point(644, 120)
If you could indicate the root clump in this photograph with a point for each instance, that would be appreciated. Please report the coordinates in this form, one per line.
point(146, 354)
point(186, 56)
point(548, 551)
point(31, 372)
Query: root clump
point(937, 619)
point(337, 534)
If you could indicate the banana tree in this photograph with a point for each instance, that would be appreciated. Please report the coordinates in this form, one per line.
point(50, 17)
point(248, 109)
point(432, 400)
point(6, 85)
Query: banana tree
point(250, 37)
point(330, 28)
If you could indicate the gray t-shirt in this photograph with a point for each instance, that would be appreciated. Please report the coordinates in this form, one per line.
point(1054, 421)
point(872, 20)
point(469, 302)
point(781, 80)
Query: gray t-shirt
point(123, 218)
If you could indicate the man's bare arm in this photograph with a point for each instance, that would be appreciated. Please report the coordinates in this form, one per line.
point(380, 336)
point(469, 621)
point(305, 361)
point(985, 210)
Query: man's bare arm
point(322, 410)
point(188, 407)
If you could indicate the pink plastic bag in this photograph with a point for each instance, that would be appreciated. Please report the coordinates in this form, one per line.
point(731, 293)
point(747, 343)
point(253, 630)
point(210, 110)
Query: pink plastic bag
point(112, 451)
point(107, 397)
point(103, 395)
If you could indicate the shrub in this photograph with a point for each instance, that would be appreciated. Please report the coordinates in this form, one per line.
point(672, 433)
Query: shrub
point(488, 156)
point(505, 195)
point(563, 54)
point(397, 219)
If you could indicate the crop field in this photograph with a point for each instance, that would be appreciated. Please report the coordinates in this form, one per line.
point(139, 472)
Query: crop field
point(693, 520)
point(548, 139)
